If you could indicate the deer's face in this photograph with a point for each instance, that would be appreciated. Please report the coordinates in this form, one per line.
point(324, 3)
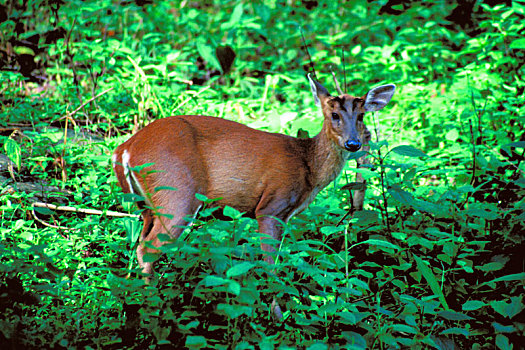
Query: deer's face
point(344, 114)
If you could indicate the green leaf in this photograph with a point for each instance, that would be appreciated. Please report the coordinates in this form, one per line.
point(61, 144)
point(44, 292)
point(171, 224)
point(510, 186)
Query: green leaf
point(234, 311)
point(212, 281)
point(317, 346)
point(481, 213)
point(454, 316)
point(514, 277)
point(237, 14)
point(404, 328)
point(408, 151)
point(239, 269)
point(508, 309)
point(356, 50)
point(354, 186)
point(519, 144)
point(330, 230)
point(14, 152)
point(231, 212)
point(456, 330)
point(366, 217)
point(205, 199)
point(377, 242)
point(43, 211)
point(472, 305)
point(401, 196)
point(431, 280)
point(356, 155)
point(207, 52)
point(23, 50)
point(452, 135)
point(502, 342)
point(491, 266)
point(234, 287)
point(518, 44)
point(196, 342)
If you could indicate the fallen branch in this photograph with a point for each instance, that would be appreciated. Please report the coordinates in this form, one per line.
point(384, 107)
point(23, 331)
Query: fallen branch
point(84, 211)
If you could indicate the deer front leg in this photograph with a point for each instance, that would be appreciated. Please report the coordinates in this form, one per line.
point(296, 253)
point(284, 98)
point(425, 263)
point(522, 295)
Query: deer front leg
point(270, 227)
point(359, 195)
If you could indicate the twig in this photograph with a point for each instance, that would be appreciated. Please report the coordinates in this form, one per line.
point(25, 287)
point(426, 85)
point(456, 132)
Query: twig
point(49, 225)
point(89, 101)
point(84, 211)
point(189, 99)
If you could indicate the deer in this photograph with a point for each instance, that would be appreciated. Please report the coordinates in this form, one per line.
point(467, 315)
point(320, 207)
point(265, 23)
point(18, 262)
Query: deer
point(267, 176)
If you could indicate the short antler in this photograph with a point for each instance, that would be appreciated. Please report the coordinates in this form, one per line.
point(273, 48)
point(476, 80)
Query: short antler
point(337, 87)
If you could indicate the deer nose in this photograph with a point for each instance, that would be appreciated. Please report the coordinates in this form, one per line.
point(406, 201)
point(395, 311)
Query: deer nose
point(352, 145)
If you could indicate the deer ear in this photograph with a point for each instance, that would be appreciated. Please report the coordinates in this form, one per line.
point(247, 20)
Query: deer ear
point(378, 97)
point(318, 91)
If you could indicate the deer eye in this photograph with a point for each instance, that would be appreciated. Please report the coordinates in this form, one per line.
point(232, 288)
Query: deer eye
point(335, 116)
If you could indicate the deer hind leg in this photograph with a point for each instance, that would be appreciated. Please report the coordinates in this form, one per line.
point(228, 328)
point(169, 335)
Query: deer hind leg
point(171, 216)
point(359, 195)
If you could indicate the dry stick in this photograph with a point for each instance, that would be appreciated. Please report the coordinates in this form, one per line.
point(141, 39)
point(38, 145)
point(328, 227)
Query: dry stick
point(89, 101)
point(84, 211)
point(49, 225)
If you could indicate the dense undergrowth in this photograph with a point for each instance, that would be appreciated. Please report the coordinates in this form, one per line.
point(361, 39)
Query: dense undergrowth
point(436, 260)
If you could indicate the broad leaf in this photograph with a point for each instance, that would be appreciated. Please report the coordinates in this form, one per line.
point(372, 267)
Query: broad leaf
point(239, 269)
point(431, 280)
point(409, 151)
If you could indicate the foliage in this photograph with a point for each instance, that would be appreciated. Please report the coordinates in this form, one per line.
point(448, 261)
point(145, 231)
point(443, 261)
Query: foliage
point(434, 261)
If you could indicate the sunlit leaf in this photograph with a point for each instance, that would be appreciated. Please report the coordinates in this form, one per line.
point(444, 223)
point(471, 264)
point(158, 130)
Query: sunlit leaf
point(408, 151)
point(518, 44)
point(212, 281)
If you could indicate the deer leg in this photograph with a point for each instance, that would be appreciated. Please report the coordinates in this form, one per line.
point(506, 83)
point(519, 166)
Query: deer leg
point(270, 227)
point(170, 218)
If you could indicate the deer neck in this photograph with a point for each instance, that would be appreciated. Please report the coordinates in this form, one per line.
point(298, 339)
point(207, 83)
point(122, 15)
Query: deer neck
point(327, 159)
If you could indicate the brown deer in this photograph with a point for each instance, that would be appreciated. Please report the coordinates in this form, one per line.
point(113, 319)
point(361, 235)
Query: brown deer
point(265, 175)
